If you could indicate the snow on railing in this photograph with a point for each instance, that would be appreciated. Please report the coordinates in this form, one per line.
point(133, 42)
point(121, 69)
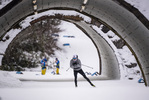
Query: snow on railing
point(3, 3)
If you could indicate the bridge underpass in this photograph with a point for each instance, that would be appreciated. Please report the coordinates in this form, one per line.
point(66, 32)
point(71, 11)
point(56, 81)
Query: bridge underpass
point(109, 67)
point(125, 24)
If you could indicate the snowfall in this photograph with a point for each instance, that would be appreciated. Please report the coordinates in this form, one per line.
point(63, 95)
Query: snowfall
point(34, 86)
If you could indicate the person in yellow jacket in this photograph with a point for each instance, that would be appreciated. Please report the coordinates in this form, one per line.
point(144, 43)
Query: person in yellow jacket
point(43, 66)
point(57, 65)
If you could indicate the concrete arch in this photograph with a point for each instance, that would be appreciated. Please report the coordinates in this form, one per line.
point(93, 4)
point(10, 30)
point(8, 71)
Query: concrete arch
point(109, 67)
point(125, 23)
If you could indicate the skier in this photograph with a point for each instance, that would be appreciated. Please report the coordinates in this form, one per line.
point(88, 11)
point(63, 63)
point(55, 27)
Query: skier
point(75, 64)
point(57, 65)
point(43, 66)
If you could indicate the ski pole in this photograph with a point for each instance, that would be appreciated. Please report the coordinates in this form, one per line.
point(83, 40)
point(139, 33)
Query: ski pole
point(68, 69)
point(87, 66)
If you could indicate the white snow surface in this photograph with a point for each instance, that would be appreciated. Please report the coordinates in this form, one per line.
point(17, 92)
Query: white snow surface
point(13, 89)
point(141, 5)
point(7, 80)
point(104, 90)
point(4, 3)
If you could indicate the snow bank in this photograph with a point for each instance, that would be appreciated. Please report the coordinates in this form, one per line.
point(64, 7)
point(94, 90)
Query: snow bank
point(141, 5)
point(6, 80)
point(4, 3)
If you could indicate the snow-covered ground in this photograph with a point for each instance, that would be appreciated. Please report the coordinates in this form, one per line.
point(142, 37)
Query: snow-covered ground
point(13, 89)
point(104, 90)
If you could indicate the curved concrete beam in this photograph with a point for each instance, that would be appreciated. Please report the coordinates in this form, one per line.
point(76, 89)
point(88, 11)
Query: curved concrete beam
point(109, 64)
point(125, 23)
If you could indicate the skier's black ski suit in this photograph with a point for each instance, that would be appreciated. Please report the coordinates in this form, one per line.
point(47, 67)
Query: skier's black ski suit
point(75, 64)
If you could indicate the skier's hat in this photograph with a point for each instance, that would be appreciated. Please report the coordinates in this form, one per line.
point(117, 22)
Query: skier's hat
point(75, 56)
point(45, 59)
